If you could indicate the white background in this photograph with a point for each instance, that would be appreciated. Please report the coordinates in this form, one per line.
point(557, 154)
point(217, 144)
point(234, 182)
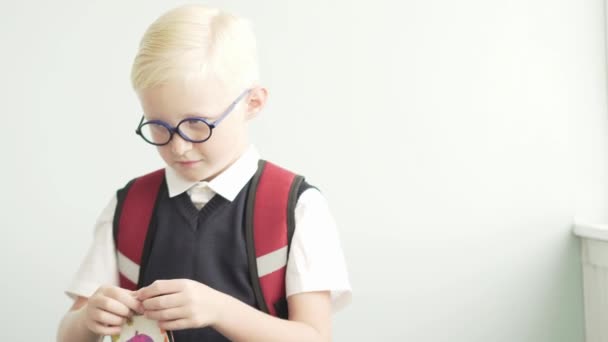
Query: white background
point(456, 141)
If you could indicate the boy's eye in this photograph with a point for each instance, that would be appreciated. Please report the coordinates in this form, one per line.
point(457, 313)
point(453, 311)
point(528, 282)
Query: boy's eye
point(194, 124)
point(195, 129)
point(155, 133)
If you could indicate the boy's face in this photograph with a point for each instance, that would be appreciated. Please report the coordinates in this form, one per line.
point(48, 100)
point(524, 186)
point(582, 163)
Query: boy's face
point(206, 98)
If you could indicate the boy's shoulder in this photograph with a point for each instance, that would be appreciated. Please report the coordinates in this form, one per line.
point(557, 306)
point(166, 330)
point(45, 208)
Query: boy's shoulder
point(277, 170)
point(152, 176)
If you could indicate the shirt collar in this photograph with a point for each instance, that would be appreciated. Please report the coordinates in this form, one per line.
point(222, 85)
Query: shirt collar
point(227, 184)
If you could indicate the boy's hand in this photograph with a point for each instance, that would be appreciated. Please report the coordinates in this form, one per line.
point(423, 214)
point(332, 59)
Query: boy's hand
point(181, 304)
point(108, 309)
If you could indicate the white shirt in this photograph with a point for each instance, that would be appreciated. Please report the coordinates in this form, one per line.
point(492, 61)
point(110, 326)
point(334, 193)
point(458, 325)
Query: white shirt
point(315, 263)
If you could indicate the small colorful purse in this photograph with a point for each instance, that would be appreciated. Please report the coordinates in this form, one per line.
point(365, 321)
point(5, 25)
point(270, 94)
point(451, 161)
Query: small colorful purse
point(141, 329)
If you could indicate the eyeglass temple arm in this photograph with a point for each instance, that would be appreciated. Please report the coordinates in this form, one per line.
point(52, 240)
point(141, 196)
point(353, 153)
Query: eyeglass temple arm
point(138, 130)
point(230, 108)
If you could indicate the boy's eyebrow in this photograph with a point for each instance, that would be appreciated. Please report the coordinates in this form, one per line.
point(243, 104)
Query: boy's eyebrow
point(180, 116)
point(195, 114)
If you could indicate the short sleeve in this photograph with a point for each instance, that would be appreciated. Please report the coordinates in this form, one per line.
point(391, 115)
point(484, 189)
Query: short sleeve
point(99, 265)
point(316, 261)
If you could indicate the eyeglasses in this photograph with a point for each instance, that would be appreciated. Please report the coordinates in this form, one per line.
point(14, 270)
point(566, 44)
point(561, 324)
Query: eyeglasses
point(194, 129)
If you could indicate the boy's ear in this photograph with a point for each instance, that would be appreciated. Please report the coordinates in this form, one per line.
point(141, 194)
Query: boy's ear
point(256, 101)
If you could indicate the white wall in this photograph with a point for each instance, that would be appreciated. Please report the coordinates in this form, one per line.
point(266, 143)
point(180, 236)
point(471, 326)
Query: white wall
point(455, 140)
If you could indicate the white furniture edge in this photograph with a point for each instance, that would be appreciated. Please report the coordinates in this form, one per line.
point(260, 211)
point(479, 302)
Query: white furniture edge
point(594, 231)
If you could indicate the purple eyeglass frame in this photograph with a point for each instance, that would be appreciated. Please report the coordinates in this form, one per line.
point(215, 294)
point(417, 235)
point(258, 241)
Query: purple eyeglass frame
point(172, 130)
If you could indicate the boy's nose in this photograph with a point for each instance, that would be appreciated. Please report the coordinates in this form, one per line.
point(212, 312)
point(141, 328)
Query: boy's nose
point(179, 146)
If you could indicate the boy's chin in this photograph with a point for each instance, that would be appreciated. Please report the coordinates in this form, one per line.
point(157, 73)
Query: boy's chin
point(195, 173)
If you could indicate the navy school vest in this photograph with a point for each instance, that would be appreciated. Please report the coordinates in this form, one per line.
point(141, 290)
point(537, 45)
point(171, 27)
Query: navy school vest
point(211, 246)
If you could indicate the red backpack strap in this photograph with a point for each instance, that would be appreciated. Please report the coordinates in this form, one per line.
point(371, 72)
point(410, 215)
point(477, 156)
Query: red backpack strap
point(269, 226)
point(133, 220)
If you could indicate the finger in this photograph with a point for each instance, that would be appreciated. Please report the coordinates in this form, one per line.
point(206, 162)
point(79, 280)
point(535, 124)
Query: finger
point(164, 302)
point(178, 324)
point(107, 318)
point(101, 329)
point(167, 314)
point(160, 287)
point(112, 305)
point(126, 298)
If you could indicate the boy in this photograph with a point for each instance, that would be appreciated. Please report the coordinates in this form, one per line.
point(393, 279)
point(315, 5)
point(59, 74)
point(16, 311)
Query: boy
point(196, 77)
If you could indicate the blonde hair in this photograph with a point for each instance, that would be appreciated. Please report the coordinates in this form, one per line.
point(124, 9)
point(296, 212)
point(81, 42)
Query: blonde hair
point(194, 41)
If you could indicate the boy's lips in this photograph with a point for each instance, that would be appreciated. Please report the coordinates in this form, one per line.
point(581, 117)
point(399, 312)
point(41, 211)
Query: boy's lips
point(188, 163)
